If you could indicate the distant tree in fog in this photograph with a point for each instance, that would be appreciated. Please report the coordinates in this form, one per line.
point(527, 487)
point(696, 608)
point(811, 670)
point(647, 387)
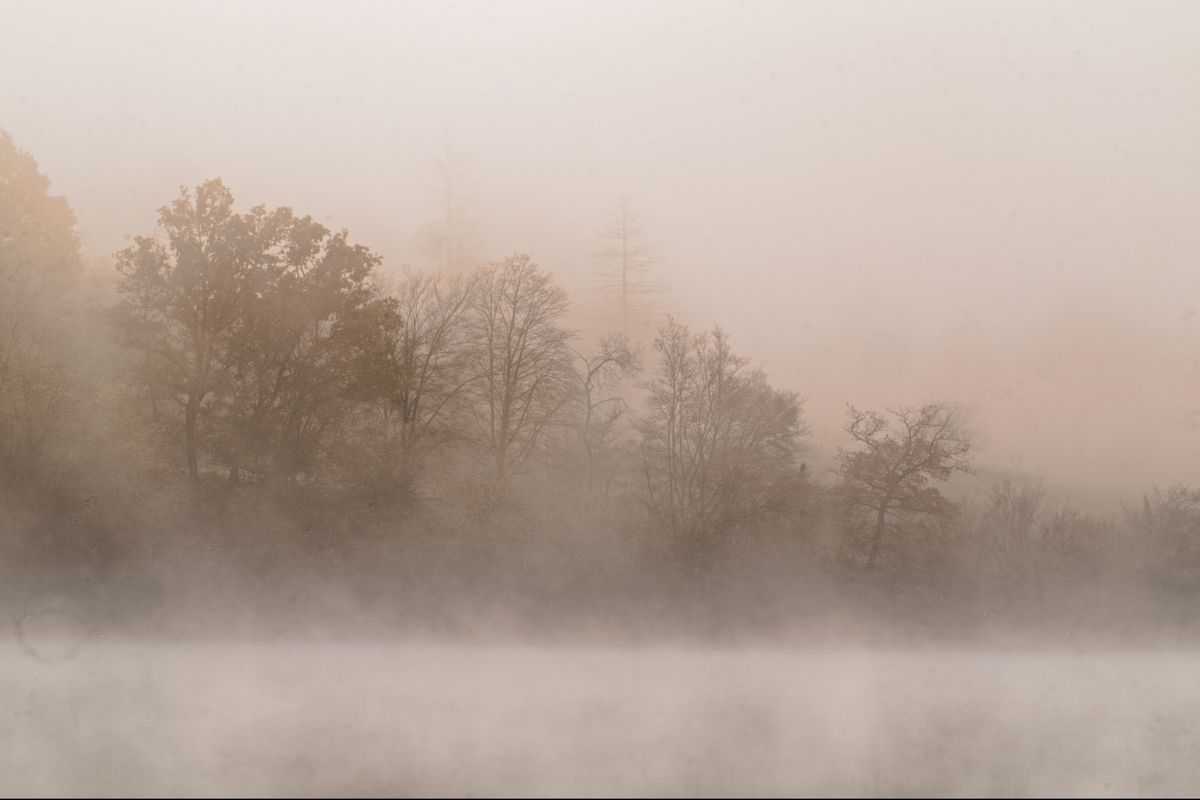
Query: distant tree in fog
point(720, 446)
point(39, 266)
point(890, 477)
point(1168, 525)
point(602, 373)
point(523, 378)
point(1011, 534)
point(453, 235)
point(628, 256)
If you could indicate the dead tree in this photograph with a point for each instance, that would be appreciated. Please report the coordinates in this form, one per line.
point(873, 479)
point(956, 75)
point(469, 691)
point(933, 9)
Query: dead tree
point(628, 256)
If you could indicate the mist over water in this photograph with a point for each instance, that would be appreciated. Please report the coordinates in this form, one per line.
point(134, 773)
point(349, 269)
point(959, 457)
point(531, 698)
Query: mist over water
point(594, 399)
point(458, 720)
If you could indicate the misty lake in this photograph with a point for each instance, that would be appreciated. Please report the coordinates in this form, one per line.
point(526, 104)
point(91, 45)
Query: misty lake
point(203, 719)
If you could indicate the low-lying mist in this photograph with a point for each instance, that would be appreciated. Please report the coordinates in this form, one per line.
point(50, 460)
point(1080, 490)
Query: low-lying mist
point(351, 720)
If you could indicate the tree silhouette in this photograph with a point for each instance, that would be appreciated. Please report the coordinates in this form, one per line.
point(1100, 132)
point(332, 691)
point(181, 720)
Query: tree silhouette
point(891, 477)
point(627, 257)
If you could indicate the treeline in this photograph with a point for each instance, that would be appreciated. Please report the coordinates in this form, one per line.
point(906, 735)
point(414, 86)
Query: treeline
point(246, 421)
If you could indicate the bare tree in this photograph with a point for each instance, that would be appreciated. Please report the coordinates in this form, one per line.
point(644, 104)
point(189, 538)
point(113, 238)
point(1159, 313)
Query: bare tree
point(432, 368)
point(522, 361)
point(454, 235)
point(720, 445)
point(602, 406)
point(1168, 524)
point(891, 476)
point(628, 256)
point(1010, 529)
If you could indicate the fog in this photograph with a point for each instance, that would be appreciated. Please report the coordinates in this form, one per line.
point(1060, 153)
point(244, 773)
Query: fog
point(1007, 188)
point(530, 398)
point(598, 722)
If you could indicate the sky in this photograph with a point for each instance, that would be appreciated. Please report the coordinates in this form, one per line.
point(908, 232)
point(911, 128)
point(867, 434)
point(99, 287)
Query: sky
point(993, 204)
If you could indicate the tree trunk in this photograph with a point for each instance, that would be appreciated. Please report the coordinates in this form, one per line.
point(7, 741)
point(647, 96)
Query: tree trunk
point(191, 414)
point(501, 467)
point(880, 522)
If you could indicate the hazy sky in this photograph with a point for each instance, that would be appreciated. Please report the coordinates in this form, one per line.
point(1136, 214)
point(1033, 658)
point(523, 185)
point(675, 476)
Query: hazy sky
point(997, 204)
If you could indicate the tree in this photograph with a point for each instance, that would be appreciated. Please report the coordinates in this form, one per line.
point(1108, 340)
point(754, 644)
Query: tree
point(313, 344)
point(891, 477)
point(521, 361)
point(1168, 522)
point(1010, 534)
point(601, 375)
point(720, 446)
point(265, 323)
point(181, 301)
point(628, 256)
point(453, 236)
point(39, 268)
point(432, 370)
